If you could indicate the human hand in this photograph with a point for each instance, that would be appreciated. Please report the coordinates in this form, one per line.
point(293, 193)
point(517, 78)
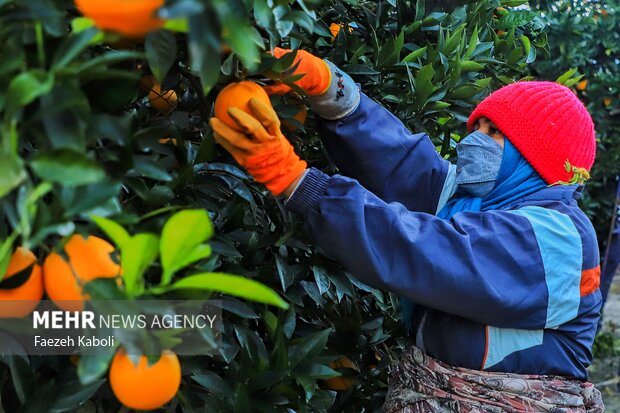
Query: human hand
point(260, 147)
point(316, 79)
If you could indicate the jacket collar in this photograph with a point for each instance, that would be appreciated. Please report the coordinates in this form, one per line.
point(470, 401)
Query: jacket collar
point(567, 194)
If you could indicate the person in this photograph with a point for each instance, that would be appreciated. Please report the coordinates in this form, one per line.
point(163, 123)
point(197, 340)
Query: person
point(497, 266)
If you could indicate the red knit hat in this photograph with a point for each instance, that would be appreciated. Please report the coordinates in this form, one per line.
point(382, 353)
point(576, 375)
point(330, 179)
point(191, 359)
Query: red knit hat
point(546, 122)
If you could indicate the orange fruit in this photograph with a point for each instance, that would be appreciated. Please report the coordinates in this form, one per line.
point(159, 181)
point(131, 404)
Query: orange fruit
point(341, 383)
point(165, 101)
point(144, 387)
point(500, 32)
point(22, 300)
point(238, 95)
point(130, 18)
point(147, 82)
point(334, 29)
point(607, 101)
point(89, 258)
point(582, 85)
point(300, 117)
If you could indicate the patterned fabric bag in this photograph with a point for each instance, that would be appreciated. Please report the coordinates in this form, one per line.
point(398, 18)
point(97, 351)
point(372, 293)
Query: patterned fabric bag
point(421, 384)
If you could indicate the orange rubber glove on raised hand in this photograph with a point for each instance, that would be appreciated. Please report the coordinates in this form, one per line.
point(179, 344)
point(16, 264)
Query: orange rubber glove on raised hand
point(316, 79)
point(261, 148)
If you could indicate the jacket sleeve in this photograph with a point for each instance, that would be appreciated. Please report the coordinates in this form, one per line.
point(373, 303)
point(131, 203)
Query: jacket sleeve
point(370, 144)
point(510, 269)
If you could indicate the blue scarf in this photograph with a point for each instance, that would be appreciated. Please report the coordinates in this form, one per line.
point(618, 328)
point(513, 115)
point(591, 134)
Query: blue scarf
point(516, 179)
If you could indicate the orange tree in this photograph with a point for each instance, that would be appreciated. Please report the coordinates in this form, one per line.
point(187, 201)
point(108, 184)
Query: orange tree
point(582, 37)
point(104, 132)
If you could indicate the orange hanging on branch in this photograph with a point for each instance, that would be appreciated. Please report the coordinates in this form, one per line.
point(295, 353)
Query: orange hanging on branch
point(164, 101)
point(19, 301)
point(130, 18)
point(334, 29)
point(238, 95)
point(341, 383)
point(144, 387)
point(582, 85)
point(89, 258)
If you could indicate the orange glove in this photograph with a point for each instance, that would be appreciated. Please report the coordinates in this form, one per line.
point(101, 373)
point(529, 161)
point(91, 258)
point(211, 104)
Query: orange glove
point(317, 76)
point(261, 148)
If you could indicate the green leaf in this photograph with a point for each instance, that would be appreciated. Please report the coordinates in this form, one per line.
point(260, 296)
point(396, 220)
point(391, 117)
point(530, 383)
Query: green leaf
point(204, 49)
point(307, 348)
point(137, 254)
point(525, 41)
point(318, 371)
point(72, 46)
point(214, 384)
point(5, 253)
point(453, 41)
point(357, 69)
point(321, 278)
point(473, 42)
point(67, 167)
point(177, 25)
point(465, 92)
point(424, 84)
point(26, 87)
point(263, 14)
point(65, 115)
point(571, 82)
point(80, 24)
point(471, 66)
point(22, 376)
point(285, 273)
point(114, 231)
point(233, 285)
point(439, 105)
point(244, 40)
point(484, 82)
point(109, 58)
point(181, 241)
point(516, 18)
point(415, 54)
point(565, 76)
point(149, 168)
point(390, 51)
point(284, 25)
point(71, 395)
point(161, 52)
point(13, 172)
point(513, 3)
point(93, 366)
point(90, 197)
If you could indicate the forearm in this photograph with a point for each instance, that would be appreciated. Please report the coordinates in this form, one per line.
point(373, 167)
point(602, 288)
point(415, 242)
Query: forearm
point(370, 144)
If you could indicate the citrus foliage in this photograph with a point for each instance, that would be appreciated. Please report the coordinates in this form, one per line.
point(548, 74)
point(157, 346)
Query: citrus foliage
point(107, 135)
point(583, 37)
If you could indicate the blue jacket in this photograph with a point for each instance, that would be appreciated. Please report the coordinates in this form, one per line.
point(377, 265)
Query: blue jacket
point(511, 290)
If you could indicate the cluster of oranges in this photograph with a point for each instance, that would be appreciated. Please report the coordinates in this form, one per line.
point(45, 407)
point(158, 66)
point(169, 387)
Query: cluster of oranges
point(62, 277)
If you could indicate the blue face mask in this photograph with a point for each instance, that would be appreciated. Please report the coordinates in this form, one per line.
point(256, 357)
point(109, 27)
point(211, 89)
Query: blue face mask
point(477, 166)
